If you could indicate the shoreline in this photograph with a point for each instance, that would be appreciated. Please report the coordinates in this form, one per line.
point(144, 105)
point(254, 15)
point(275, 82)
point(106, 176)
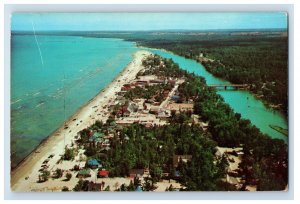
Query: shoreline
point(266, 103)
point(86, 115)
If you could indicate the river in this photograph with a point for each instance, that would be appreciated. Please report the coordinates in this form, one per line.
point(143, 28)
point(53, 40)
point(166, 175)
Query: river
point(240, 101)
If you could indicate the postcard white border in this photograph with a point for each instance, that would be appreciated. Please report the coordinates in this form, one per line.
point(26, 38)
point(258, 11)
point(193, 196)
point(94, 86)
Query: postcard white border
point(8, 9)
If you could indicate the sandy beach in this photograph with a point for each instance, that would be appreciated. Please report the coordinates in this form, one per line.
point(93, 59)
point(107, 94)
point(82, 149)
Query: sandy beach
point(25, 176)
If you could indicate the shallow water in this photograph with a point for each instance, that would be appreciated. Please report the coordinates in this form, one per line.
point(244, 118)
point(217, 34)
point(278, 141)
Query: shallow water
point(74, 69)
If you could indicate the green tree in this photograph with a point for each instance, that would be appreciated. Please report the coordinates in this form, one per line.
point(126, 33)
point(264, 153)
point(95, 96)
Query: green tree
point(148, 184)
point(82, 185)
point(68, 176)
point(58, 173)
point(44, 176)
point(65, 188)
point(170, 188)
point(69, 153)
point(107, 188)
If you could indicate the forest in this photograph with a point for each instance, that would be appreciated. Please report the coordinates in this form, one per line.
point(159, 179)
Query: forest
point(264, 158)
point(264, 163)
point(261, 61)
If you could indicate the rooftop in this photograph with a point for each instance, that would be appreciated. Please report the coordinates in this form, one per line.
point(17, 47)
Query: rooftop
point(93, 162)
point(84, 172)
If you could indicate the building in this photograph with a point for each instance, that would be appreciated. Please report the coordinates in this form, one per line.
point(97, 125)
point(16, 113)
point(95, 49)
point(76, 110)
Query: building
point(139, 189)
point(165, 93)
point(109, 136)
point(136, 173)
point(125, 88)
point(96, 137)
point(132, 107)
point(181, 107)
point(150, 119)
point(154, 109)
point(125, 122)
point(123, 111)
point(176, 175)
point(175, 98)
point(172, 82)
point(204, 125)
point(103, 174)
point(93, 163)
point(126, 114)
point(157, 81)
point(142, 82)
point(81, 165)
point(94, 186)
point(163, 114)
point(84, 173)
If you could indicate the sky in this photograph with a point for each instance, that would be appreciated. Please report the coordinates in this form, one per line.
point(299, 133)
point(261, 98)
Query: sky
point(146, 21)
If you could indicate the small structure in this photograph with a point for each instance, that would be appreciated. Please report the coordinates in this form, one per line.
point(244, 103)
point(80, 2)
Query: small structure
point(154, 109)
point(175, 98)
point(105, 143)
point(132, 107)
point(126, 138)
point(156, 81)
point(138, 189)
point(148, 125)
point(177, 175)
point(142, 82)
point(94, 186)
point(93, 163)
point(103, 174)
point(125, 88)
point(109, 136)
point(126, 113)
point(96, 137)
point(184, 158)
point(163, 114)
point(81, 165)
point(165, 93)
point(136, 173)
point(165, 175)
point(204, 125)
point(181, 106)
point(84, 173)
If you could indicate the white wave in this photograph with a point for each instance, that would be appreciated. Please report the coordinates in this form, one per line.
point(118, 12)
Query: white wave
point(38, 105)
point(16, 101)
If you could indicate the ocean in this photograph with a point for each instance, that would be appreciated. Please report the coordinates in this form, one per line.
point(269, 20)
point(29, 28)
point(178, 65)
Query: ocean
point(66, 70)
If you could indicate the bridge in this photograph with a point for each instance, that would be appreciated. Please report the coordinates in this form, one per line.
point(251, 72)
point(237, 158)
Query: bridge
point(236, 86)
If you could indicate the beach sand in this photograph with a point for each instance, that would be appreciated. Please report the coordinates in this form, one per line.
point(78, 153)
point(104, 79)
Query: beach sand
point(94, 110)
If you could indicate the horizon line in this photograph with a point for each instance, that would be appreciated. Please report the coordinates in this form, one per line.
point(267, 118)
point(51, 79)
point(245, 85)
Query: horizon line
point(165, 30)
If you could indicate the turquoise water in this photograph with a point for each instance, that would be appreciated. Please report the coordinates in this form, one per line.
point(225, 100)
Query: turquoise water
point(74, 69)
point(240, 101)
